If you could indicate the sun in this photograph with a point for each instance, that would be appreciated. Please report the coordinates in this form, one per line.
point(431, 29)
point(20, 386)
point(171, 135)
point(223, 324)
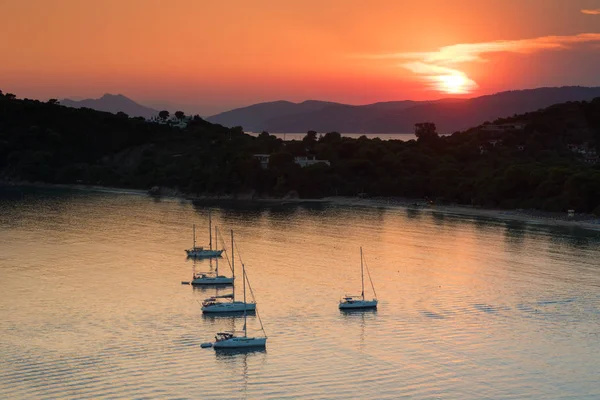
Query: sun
point(454, 84)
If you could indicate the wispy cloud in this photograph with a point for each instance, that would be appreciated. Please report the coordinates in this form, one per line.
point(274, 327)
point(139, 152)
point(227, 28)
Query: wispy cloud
point(442, 78)
point(591, 12)
point(440, 64)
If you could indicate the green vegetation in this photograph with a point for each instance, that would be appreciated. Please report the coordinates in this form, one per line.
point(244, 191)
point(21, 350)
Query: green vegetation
point(530, 166)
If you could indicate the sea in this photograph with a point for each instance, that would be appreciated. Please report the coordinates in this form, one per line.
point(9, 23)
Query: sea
point(383, 136)
point(92, 304)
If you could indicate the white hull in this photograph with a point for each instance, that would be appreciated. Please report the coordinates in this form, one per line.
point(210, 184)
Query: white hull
point(197, 253)
point(240, 342)
point(212, 280)
point(236, 306)
point(357, 304)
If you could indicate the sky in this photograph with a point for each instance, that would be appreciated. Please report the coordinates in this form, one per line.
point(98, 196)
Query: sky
point(207, 56)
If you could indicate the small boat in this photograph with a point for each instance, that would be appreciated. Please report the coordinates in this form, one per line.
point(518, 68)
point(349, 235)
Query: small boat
point(201, 252)
point(229, 340)
point(211, 279)
point(227, 303)
point(237, 340)
point(359, 302)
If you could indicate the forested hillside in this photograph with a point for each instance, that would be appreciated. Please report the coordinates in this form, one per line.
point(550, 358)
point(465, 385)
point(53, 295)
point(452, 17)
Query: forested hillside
point(545, 160)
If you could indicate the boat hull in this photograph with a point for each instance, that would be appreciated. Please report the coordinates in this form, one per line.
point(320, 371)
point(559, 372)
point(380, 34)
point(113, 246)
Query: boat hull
point(358, 304)
point(211, 281)
point(240, 342)
point(204, 253)
point(237, 306)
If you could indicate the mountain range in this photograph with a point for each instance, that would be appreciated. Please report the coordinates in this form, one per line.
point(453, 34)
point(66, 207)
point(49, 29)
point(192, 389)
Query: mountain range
point(449, 115)
point(113, 103)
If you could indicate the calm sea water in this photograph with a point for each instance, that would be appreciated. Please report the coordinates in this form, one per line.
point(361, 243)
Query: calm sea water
point(383, 136)
point(92, 304)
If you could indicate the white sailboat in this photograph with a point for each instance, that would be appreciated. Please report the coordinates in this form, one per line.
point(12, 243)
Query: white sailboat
point(201, 252)
point(237, 340)
point(211, 279)
point(227, 303)
point(359, 302)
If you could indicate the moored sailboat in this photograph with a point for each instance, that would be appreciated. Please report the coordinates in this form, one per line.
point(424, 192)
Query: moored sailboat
point(199, 251)
point(238, 340)
point(211, 279)
point(227, 303)
point(359, 302)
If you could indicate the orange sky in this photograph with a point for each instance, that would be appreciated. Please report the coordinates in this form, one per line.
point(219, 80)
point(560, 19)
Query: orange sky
point(206, 56)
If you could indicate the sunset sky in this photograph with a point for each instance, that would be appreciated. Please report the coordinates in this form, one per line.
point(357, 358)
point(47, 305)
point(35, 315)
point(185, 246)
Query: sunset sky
point(208, 56)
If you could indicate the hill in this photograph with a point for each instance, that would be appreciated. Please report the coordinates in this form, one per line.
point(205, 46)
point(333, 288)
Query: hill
point(449, 115)
point(113, 103)
point(546, 159)
point(254, 116)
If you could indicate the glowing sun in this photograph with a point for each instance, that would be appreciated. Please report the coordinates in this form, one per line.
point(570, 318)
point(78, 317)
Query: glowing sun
point(455, 84)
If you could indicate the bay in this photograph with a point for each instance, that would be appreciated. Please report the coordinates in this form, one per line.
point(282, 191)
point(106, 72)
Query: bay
point(92, 304)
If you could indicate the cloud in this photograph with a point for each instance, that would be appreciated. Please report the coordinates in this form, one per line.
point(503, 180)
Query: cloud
point(436, 65)
point(441, 78)
point(591, 12)
point(467, 52)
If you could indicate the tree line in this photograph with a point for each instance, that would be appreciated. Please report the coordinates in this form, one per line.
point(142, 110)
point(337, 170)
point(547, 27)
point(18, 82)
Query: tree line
point(529, 168)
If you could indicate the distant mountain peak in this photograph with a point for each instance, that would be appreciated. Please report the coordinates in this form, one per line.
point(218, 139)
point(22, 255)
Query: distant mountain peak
point(113, 103)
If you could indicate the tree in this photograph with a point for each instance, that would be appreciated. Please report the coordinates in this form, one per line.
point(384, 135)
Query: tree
point(121, 114)
point(281, 160)
point(164, 114)
point(425, 130)
point(53, 101)
point(179, 115)
point(310, 140)
point(10, 96)
point(331, 137)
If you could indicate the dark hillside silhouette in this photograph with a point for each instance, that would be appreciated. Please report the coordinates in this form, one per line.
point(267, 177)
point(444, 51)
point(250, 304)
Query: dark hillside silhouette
point(546, 159)
point(113, 103)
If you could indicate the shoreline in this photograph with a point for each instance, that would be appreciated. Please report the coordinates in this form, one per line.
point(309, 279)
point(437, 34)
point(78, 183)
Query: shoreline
point(542, 218)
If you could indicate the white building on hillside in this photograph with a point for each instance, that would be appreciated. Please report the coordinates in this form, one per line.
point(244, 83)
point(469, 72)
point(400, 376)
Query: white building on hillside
point(511, 126)
point(305, 161)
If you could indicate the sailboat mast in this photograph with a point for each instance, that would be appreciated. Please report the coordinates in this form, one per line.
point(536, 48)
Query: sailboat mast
point(244, 279)
point(194, 233)
point(209, 231)
point(217, 258)
point(233, 264)
point(362, 275)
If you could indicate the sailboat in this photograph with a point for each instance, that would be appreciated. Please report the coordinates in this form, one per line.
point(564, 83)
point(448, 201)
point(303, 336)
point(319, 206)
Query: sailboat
point(227, 303)
point(212, 279)
point(359, 302)
point(199, 251)
point(237, 340)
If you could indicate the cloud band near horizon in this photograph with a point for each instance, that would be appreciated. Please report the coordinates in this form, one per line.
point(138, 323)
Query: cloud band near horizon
point(437, 65)
point(591, 12)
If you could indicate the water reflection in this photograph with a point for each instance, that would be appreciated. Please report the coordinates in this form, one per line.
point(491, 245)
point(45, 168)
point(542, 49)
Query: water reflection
point(227, 315)
point(216, 289)
point(414, 213)
point(238, 360)
point(356, 314)
point(240, 354)
point(459, 294)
